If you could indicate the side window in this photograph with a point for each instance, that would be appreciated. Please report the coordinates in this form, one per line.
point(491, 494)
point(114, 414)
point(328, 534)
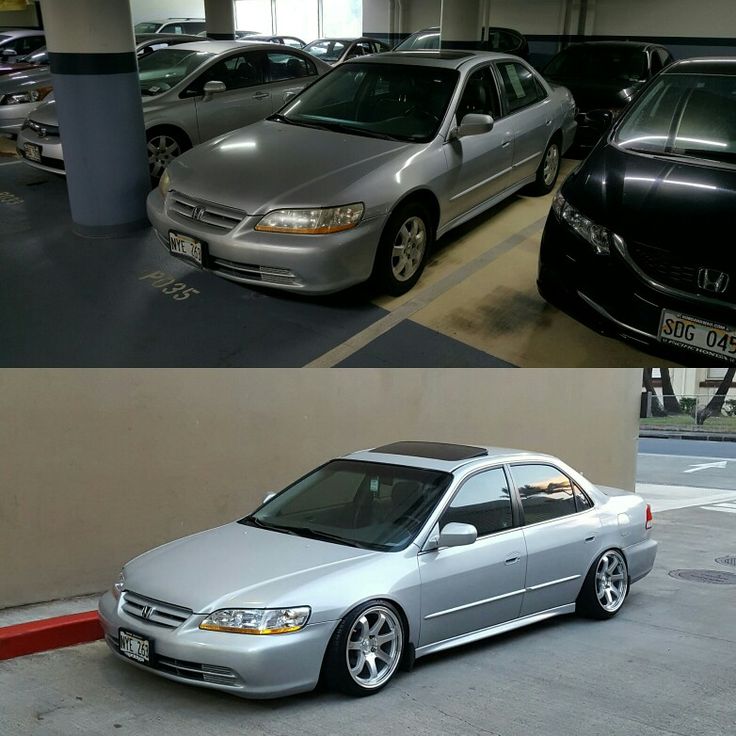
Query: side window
point(546, 493)
point(484, 501)
point(172, 28)
point(480, 95)
point(582, 502)
point(295, 43)
point(520, 87)
point(237, 72)
point(194, 28)
point(288, 66)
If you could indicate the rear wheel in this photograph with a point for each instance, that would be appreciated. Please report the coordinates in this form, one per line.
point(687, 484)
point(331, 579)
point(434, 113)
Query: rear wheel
point(366, 649)
point(606, 586)
point(548, 170)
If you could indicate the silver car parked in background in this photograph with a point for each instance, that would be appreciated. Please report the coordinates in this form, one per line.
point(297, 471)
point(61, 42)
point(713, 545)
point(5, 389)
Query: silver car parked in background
point(375, 160)
point(191, 93)
point(373, 560)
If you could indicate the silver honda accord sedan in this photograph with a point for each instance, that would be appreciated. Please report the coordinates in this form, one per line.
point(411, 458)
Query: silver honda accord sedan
point(357, 176)
point(373, 560)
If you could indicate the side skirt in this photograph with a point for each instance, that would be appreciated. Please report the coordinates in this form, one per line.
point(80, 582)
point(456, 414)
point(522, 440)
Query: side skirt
point(516, 623)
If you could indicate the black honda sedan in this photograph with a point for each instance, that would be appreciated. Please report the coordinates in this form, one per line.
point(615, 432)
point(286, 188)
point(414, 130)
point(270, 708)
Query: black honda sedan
point(640, 241)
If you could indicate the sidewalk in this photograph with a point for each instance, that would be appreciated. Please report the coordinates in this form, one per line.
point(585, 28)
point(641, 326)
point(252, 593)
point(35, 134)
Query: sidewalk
point(678, 433)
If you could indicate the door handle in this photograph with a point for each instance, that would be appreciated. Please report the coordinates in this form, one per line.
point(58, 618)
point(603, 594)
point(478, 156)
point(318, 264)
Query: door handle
point(548, 122)
point(261, 95)
point(590, 539)
point(512, 560)
point(505, 144)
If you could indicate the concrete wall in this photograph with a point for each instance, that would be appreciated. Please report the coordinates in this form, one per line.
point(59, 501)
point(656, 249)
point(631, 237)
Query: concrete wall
point(100, 465)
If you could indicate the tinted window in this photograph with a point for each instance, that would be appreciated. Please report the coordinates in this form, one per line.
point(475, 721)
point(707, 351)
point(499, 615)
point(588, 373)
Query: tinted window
point(172, 28)
point(545, 492)
point(601, 64)
point(656, 62)
point(419, 41)
point(479, 96)
point(237, 72)
point(326, 50)
point(483, 501)
point(582, 502)
point(520, 88)
point(194, 28)
point(162, 69)
point(502, 41)
point(288, 66)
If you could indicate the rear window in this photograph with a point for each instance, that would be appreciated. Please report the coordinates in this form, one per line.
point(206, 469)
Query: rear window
point(599, 63)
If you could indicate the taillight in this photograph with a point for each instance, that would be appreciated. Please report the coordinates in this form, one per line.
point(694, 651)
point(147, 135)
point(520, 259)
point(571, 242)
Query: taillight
point(648, 525)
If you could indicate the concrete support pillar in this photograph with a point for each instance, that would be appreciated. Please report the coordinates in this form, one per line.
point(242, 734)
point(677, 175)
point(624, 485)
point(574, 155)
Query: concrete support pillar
point(98, 101)
point(220, 19)
point(459, 24)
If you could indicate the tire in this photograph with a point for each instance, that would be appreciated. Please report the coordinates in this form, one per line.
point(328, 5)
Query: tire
point(162, 147)
point(548, 170)
point(402, 251)
point(606, 586)
point(353, 646)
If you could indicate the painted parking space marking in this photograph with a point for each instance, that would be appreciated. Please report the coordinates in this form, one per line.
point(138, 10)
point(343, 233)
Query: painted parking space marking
point(168, 285)
point(728, 508)
point(705, 466)
point(10, 198)
point(424, 297)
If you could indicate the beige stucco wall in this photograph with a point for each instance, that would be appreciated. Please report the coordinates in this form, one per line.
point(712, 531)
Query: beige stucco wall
point(100, 465)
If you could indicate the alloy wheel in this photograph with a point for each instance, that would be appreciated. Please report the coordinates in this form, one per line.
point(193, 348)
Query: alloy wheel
point(408, 250)
point(611, 582)
point(551, 164)
point(162, 150)
point(374, 647)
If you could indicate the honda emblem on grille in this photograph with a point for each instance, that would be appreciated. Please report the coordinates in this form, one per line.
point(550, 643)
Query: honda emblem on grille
point(147, 612)
point(198, 213)
point(711, 280)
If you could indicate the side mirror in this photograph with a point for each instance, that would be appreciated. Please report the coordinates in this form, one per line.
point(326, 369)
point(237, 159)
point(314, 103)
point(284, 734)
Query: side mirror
point(601, 119)
point(9, 52)
point(474, 124)
point(213, 88)
point(290, 94)
point(268, 497)
point(456, 534)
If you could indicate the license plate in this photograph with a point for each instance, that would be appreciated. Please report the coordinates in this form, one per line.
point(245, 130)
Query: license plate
point(135, 647)
point(32, 152)
point(183, 245)
point(710, 338)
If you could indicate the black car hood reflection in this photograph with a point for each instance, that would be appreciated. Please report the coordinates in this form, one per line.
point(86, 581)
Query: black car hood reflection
point(664, 203)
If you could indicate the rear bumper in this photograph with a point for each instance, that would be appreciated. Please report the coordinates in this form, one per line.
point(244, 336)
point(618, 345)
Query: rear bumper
point(640, 559)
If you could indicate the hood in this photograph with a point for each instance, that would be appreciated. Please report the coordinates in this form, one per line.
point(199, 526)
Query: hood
point(269, 164)
point(22, 80)
point(660, 202)
point(45, 113)
point(236, 565)
point(595, 95)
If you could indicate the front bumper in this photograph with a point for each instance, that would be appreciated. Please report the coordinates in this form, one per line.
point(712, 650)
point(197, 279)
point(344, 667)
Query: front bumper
point(269, 666)
point(52, 155)
point(310, 264)
point(606, 294)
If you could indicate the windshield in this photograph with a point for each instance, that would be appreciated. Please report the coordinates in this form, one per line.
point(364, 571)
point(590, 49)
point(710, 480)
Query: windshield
point(421, 40)
point(395, 101)
point(164, 68)
point(684, 115)
point(146, 27)
point(602, 64)
point(371, 505)
point(326, 50)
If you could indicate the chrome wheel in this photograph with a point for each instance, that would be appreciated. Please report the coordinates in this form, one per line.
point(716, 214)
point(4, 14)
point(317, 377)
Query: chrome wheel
point(162, 150)
point(409, 246)
point(611, 581)
point(374, 647)
point(551, 165)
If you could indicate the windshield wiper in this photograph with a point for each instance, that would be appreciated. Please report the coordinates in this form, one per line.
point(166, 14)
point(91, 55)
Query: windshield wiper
point(305, 531)
point(341, 128)
point(251, 520)
point(279, 118)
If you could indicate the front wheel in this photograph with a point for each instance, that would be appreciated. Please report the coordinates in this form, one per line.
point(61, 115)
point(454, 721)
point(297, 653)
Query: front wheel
point(365, 649)
point(548, 170)
point(606, 586)
point(402, 251)
point(162, 148)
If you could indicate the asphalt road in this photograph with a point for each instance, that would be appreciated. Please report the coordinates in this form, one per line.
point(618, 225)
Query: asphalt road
point(693, 463)
point(664, 666)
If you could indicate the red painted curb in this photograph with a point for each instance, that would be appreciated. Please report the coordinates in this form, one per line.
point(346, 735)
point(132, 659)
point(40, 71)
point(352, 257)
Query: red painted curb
point(49, 633)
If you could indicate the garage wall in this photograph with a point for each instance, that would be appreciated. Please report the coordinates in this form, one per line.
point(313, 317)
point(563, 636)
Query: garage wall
point(162, 9)
point(100, 465)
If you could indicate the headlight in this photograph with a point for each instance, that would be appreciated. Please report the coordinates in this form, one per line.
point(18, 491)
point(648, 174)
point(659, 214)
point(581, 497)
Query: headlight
point(312, 222)
point(601, 238)
point(21, 98)
point(119, 585)
point(163, 183)
point(257, 620)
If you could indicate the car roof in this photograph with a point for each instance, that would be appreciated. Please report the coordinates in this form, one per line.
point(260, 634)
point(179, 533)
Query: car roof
point(219, 47)
point(705, 65)
point(442, 456)
point(448, 58)
point(162, 37)
point(614, 44)
point(21, 32)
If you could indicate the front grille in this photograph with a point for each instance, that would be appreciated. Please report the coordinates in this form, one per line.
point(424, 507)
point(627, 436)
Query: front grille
point(266, 274)
point(154, 612)
point(217, 216)
point(212, 673)
point(680, 271)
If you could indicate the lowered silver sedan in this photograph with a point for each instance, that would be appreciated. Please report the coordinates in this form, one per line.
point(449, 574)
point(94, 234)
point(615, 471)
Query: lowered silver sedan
point(376, 559)
point(358, 175)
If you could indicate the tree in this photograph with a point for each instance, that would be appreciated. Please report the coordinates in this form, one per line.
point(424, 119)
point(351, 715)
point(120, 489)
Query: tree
point(657, 410)
point(671, 403)
point(715, 405)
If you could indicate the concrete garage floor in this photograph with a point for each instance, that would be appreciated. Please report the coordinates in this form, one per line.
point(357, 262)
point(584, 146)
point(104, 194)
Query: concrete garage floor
point(664, 666)
point(73, 302)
